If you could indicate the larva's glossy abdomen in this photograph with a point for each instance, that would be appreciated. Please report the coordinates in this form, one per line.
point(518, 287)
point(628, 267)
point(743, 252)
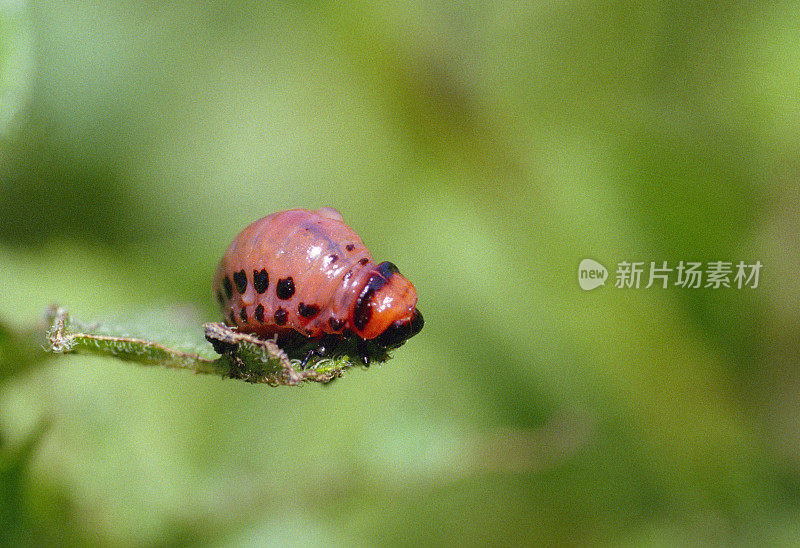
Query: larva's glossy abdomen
point(308, 271)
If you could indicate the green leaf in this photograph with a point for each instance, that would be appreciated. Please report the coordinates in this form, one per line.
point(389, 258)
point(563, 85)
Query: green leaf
point(241, 356)
point(258, 360)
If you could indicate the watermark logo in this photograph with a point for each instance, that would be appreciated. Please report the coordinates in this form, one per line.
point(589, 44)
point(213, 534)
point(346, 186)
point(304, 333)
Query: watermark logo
point(663, 274)
point(591, 274)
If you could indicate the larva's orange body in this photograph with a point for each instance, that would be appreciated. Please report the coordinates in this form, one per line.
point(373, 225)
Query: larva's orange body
point(308, 272)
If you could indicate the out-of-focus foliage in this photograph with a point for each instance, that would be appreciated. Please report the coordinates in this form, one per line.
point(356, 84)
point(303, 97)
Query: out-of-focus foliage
point(485, 148)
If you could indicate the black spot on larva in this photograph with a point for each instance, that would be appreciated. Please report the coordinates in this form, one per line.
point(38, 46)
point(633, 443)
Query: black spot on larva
point(220, 298)
point(335, 324)
point(377, 279)
point(307, 310)
point(281, 316)
point(226, 284)
point(233, 318)
point(240, 279)
point(285, 288)
point(350, 247)
point(259, 313)
point(260, 280)
point(386, 269)
point(363, 261)
point(332, 259)
point(243, 314)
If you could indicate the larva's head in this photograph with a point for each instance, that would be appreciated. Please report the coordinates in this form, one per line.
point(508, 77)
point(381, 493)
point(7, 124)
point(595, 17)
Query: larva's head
point(386, 307)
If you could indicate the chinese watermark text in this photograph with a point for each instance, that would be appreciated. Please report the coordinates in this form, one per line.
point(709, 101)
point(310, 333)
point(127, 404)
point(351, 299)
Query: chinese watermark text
point(663, 274)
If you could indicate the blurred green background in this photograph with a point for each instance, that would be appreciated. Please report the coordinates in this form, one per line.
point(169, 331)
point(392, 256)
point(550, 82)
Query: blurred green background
point(485, 148)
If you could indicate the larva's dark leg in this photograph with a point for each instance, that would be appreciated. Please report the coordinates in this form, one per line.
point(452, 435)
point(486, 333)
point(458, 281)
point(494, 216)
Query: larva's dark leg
point(327, 344)
point(309, 355)
point(363, 351)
